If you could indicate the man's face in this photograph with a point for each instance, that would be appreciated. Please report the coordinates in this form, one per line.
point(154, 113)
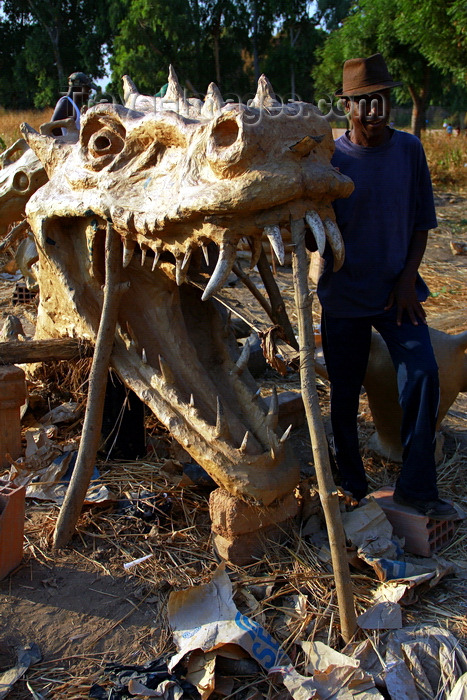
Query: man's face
point(369, 113)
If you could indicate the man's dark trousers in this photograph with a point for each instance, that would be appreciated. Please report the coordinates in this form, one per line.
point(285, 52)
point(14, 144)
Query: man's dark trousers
point(346, 345)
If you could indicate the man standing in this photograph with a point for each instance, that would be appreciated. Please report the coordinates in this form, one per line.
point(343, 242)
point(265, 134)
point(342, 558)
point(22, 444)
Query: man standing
point(385, 225)
point(70, 105)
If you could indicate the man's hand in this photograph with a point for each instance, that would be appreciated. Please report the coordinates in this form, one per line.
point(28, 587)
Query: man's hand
point(404, 297)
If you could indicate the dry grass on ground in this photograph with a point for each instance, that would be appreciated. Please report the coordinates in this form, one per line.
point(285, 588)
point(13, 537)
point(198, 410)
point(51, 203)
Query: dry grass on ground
point(447, 158)
point(10, 122)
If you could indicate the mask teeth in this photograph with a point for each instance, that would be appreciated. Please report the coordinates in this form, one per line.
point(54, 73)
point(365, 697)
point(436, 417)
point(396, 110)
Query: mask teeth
point(205, 250)
point(180, 272)
point(336, 242)
point(316, 226)
point(186, 259)
point(157, 253)
point(222, 426)
point(275, 239)
point(128, 250)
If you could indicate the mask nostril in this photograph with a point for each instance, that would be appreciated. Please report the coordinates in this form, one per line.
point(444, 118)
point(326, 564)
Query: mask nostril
point(225, 133)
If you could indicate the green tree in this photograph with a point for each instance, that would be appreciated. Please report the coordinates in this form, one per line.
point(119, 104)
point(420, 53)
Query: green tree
point(45, 42)
point(202, 39)
point(439, 31)
point(288, 64)
point(332, 12)
point(371, 27)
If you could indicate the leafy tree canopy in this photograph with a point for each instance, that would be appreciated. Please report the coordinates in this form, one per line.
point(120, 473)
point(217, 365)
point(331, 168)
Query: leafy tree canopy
point(372, 26)
point(43, 42)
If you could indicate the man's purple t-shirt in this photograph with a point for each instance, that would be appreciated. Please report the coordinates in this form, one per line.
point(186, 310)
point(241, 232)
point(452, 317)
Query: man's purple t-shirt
point(393, 197)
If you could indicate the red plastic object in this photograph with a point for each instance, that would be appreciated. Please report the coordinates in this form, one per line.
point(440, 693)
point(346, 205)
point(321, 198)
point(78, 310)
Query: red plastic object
point(12, 500)
point(423, 536)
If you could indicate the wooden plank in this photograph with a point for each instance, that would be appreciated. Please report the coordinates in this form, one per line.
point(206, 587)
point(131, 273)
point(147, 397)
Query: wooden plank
point(16, 352)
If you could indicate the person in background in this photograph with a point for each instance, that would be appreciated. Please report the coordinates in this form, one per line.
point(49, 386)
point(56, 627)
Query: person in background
point(71, 104)
point(384, 224)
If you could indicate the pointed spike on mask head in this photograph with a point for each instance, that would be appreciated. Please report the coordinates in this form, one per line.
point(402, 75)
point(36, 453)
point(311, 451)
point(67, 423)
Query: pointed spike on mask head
point(213, 102)
point(174, 90)
point(265, 96)
point(50, 152)
point(130, 91)
point(286, 434)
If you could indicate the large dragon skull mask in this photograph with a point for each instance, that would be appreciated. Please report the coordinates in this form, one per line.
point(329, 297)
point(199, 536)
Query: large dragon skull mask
point(182, 181)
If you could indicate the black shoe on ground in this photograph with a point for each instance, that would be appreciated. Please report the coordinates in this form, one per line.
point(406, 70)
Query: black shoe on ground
point(436, 509)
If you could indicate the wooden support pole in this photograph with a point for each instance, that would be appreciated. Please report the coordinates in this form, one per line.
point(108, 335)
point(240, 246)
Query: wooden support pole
point(326, 486)
point(279, 314)
point(85, 461)
point(253, 289)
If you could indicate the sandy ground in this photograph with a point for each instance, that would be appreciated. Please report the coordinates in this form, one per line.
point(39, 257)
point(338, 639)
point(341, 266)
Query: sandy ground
point(81, 608)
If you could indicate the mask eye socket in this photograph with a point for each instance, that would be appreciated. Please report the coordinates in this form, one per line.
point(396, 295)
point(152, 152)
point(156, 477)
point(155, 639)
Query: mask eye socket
point(105, 142)
point(102, 139)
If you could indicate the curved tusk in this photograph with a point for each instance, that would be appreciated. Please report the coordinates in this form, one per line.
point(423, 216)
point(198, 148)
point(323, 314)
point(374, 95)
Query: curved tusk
point(275, 239)
point(317, 229)
point(334, 237)
point(227, 255)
